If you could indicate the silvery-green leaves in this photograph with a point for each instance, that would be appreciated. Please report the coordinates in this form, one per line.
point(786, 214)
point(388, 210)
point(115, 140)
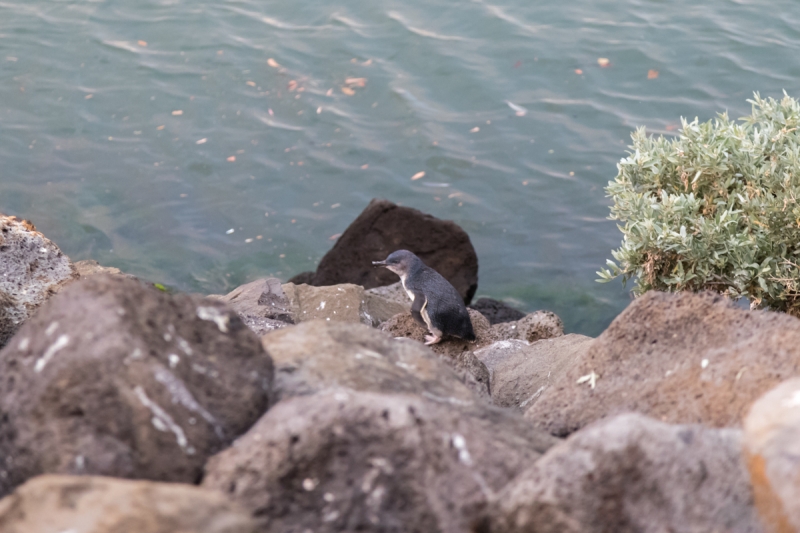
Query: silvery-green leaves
point(715, 208)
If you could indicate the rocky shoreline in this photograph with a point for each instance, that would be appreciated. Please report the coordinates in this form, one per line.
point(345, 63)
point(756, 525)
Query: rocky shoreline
point(312, 405)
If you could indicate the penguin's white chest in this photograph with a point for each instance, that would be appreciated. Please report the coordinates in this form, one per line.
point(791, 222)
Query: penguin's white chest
point(410, 294)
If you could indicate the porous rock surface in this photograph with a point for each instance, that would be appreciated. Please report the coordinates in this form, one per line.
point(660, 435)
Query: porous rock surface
point(362, 461)
point(458, 353)
point(680, 358)
point(519, 371)
point(383, 228)
point(90, 267)
point(632, 474)
point(317, 355)
point(772, 452)
point(33, 269)
point(116, 378)
point(261, 304)
point(94, 504)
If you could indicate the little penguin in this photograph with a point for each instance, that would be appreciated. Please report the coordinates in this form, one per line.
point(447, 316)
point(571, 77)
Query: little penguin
point(436, 303)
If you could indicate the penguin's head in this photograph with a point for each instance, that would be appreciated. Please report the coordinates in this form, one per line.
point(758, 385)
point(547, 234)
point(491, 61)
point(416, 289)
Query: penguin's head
point(401, 262)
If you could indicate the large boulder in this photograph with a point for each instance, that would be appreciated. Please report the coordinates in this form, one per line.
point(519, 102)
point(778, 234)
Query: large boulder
point(383, 228)
point(33, 269)
point(362, 461)
point(680, 358)
point(772, 451)
point(632, 474)
point(519, 371)
point(317, 355)
point(262, 305)
point(116, 378)
point(93, 504)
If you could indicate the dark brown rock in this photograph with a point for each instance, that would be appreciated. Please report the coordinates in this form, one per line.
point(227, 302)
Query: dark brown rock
point(362, 461)
point(495, 311)
point(94, 504)
point(33, 269)
point(318, 355)
point(772, 452)
point(383, 228)
point(680, 358)
point(632, 474)
point(116, 378)
point(519, 372)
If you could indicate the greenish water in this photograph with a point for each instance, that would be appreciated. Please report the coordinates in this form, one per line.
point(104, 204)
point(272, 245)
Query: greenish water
point(93, 151)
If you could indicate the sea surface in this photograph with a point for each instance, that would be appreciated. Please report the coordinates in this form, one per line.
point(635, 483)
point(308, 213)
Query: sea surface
point(206, 144)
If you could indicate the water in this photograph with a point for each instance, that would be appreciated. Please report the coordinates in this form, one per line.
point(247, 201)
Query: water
point(93, 151)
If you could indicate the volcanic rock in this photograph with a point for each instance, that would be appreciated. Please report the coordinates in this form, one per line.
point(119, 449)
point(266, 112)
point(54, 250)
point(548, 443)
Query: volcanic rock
point(495, 311)
point(33, 269)
point(632, 474)
point(116, 378)
point(679, 358)
point(519, 372)
point(361, 461)
point(93, 504)
point(383, 228)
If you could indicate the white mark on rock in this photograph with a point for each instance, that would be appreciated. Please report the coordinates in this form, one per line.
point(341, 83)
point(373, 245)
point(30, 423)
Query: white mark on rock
point(704, 363)
point(161, 419)
point(460, 444)
point(405, 366)
point(60, 343)
point(167, 337)
point(184, 345)
point(441, 399)
point(328, 497)
point(535, 395)
point(794, 401)
point(331, 516)
point(24, 343)
point(310, 484)
point(51, 329)
point(80, 462)
point(739, 373)
point(173, 360)
point(591, 378)
point(321, 306)
point(215, 315)
point(181, 395)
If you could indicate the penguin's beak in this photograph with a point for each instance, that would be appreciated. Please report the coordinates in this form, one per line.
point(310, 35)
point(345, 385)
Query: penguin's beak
point(379, 263)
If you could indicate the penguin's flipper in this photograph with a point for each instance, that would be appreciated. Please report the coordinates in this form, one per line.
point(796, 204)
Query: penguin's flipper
point(417, 306)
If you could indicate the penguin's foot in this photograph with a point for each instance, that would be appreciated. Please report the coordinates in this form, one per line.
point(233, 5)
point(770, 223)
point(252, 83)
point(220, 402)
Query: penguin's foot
point(432, 339)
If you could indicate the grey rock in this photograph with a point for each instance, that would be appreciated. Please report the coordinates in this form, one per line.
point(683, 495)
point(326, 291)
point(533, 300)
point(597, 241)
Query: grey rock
point(33, 270)
point(337, 303)
point(632, 474)
point(520, 371)
point(113, 377)
point(317, 355)
point(93, 504)
point(531, 327)
point(385, 302)
point(361, 461)
point(262, 305)
point(90, 267)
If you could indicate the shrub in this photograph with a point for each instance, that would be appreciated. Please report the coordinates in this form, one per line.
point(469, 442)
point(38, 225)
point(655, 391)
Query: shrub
point(716, 208)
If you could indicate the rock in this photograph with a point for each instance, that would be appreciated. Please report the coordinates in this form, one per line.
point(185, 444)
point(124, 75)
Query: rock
point(363, 461)
point(531, 327)
point(679, 358)
point(90, 267)
point(93, 504)
point(772, 452)
point(116, 378)
point(519, 372)
point(338, 303)
point(495, 311)
point(33, 270)
point(385, 302)
point(317, 355)
point(383, 228)
point(303, 278)
point(632, 474)
point(261, 304)
point(456, 352)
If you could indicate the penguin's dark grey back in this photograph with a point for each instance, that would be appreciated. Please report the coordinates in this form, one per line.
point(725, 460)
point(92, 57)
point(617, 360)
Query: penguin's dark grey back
point(445, 306)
